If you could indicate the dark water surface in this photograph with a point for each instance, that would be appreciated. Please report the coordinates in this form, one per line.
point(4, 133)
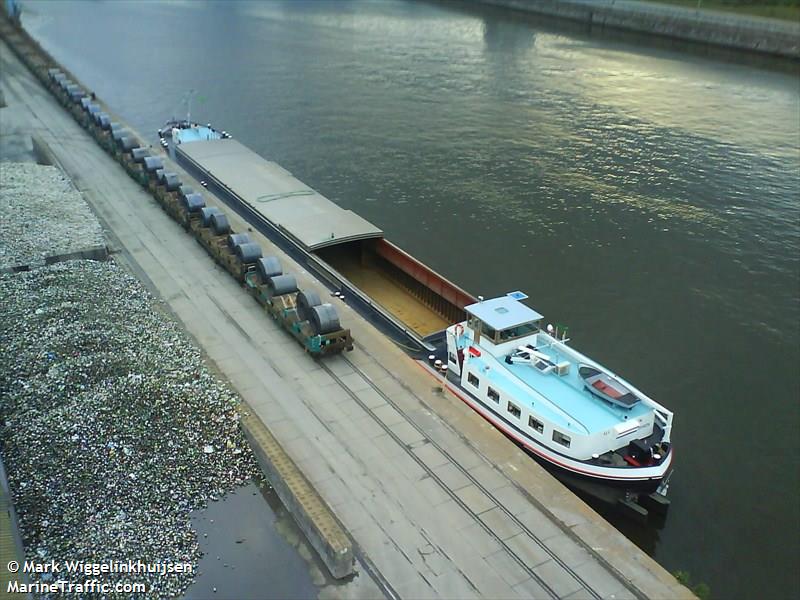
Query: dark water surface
point(250, 550)
point(646, 197)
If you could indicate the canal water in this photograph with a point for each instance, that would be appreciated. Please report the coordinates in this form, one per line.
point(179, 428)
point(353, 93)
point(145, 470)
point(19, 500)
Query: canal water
point(252, 550)
point(644, 195)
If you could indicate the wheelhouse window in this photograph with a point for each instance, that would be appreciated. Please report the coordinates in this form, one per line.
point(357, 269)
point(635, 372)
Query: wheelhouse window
point(518, 331)
point(535, 424)
point(474, 381)
point(514, 410)
point(493, 395)
point(560, 438)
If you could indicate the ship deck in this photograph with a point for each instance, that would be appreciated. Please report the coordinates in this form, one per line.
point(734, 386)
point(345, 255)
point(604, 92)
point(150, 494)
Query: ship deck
point(567, 402)
point(197, 134)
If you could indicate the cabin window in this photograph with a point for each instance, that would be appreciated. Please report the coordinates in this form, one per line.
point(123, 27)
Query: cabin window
point(452, 358)
point(493, 395)
point(560, 438)
point(519, 331)
point(535, 424)
point(514, 410)
point(473, 380)
point(489, 332)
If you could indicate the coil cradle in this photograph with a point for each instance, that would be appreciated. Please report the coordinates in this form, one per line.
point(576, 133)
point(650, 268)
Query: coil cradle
point(313, 323)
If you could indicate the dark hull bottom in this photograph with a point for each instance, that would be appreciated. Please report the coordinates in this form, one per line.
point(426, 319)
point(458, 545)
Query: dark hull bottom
point(629, 500)
point(606, 490)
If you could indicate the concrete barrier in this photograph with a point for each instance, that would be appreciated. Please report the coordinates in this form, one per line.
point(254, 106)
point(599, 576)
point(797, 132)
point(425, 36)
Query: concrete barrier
point(754, 34)
point(302, 501)
point(44, 156)
point(98, 253)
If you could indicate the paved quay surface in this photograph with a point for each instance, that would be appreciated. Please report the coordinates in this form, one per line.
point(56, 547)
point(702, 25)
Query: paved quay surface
point(438, 502)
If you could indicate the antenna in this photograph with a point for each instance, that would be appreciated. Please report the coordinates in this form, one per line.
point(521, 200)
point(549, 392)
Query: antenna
point(188, 97)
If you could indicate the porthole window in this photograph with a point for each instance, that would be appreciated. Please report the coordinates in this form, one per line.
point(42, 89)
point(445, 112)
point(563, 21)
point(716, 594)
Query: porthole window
point(493, 395)
point(514, 410)
point(474, 381)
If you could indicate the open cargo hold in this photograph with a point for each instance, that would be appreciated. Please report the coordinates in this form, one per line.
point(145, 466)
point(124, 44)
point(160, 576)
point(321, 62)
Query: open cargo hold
point(346, 250)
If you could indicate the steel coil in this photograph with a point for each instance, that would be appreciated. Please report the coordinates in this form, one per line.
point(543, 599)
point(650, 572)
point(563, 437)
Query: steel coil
point(117, 134)
point(269, 266)
point(324, 319)
point(206, 213)
point(281, 284)
point(153, 163)
point(128, 143)
point(249, 252)
point(139, 154)
point(219, 223)
point(171, 181)
point(235, 239)
point(305, 301)
point(193, 202)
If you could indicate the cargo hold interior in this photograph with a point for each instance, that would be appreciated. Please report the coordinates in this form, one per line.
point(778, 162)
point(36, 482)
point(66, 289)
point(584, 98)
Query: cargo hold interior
point(415, 294)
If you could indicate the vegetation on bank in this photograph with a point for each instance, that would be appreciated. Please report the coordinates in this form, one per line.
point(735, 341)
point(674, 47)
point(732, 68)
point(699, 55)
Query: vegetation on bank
point(701, 590)
point(777, 9)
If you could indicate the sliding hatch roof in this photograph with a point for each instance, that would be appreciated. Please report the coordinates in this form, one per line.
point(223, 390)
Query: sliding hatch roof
point(277, 195)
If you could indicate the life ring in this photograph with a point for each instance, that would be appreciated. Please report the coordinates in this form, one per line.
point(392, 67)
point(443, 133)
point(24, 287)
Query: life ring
point(459, 330)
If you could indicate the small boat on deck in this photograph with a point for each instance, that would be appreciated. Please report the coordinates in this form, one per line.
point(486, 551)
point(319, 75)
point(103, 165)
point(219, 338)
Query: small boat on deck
point(606, 386)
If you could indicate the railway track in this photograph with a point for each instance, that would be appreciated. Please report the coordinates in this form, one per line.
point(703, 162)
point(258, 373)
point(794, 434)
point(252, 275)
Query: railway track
point(430, 472)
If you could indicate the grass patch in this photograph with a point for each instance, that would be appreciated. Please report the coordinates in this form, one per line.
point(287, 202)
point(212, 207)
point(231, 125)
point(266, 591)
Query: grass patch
point(701, 590)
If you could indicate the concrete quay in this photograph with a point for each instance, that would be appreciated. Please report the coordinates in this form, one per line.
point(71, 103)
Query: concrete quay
point(749, 33)
point(438, 503)
point(310, 512)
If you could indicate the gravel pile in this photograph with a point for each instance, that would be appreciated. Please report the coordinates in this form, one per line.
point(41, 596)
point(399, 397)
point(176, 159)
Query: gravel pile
point(42, 214)
point(113, 428)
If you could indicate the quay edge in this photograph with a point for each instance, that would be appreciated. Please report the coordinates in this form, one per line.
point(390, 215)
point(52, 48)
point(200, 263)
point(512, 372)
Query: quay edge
point(749, 34)
point(299, 497)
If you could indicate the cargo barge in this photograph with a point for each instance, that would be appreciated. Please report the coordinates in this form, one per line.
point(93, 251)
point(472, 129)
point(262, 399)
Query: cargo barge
point(354, 259)
point(565, 410)
point(347, 252)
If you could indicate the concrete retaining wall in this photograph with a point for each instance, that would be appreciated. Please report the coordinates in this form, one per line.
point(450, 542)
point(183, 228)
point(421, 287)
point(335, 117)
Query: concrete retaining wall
point(310, 512)
point(767, 36)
